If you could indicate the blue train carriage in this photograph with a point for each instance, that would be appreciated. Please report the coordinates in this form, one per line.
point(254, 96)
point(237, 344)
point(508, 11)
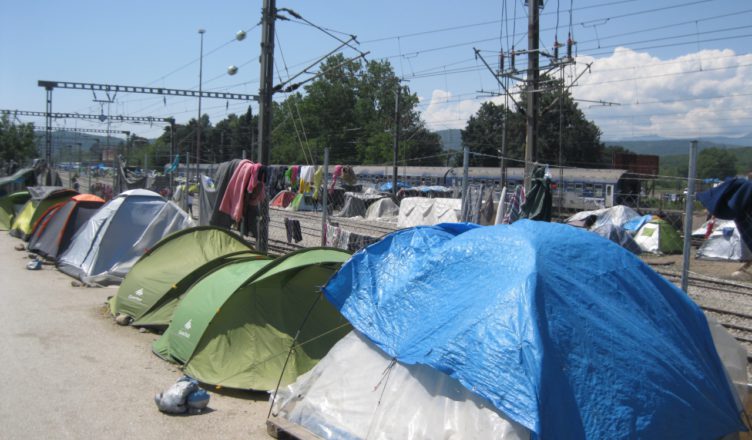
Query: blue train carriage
point(583, 188)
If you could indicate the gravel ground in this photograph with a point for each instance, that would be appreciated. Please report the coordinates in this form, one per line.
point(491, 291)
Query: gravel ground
point(71, 373)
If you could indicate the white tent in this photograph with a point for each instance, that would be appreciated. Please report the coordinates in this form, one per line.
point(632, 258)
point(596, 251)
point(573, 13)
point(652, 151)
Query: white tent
point(382, 209)
point(106, 247)
point(724, 243)
point(357, 392)
point(417, 211)
point(617, 216)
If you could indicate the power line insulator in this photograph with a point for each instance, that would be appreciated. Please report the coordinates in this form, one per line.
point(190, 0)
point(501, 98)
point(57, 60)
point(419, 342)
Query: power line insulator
point(556, 47)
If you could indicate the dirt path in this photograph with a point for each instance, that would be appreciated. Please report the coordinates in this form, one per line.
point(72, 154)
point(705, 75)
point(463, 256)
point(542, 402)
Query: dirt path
point(69, 372)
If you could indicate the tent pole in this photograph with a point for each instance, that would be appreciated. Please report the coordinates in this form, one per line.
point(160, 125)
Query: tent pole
point(690, 202)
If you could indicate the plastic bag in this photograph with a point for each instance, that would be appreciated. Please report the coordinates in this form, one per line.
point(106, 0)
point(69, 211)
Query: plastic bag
point(198, 399)
point(174, 400)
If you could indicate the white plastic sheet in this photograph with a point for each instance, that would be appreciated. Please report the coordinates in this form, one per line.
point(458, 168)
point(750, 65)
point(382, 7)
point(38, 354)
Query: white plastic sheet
point(384, 208)
point(421, 211)
point(357, 392)
point(617, 215)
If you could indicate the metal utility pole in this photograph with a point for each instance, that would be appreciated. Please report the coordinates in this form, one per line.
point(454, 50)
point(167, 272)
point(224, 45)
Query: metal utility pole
point(465, 175)
point(198, 120)
point(688, 214)
point(48, 126)
point(396, 138)
point(533, 73)
point(265, 111)
point(172, 158)
point(324, 197)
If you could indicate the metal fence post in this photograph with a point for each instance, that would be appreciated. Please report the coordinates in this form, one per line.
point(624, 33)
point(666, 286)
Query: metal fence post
point(689, 207)
point(465, 170)
point(324, 199)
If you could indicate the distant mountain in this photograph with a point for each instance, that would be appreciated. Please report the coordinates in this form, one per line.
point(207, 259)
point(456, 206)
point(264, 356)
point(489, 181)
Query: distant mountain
point(668, 147)
point(451, 139)
point(65, 138)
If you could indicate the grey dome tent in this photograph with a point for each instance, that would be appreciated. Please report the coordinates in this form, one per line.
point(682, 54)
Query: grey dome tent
point(106, 247)
point(724, 244)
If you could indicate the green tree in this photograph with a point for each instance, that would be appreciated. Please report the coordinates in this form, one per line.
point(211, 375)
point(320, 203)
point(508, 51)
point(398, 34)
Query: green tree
point(350, 108)
point(16, 141)
point(715, 163)
point(581, 142)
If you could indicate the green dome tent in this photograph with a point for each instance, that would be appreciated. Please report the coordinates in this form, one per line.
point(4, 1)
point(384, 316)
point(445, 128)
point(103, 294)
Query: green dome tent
point(42, 198)
point(151, 290)
point(659, 237)
point(235, 326)
point(11, 205)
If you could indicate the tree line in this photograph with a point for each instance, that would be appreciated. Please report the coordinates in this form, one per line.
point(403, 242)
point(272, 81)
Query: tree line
point(350, 108)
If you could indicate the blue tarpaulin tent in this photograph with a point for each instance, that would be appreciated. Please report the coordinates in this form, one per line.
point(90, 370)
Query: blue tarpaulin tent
point(568, 334)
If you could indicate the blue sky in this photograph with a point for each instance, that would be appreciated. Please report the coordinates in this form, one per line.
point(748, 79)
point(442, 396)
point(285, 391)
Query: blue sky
point(678, 68)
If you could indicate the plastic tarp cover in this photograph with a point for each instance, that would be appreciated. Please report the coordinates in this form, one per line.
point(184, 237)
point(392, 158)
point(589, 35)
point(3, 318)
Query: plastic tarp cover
point(724, 243)
point(495, 307)
point(636, 223)
point(617, 216)
point(357, 392)
point(618, 236)
point(354, 206)
point(383, 208)
point(421, 211)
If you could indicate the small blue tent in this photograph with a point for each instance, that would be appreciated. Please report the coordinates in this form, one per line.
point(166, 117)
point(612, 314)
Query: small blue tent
point(568, 334)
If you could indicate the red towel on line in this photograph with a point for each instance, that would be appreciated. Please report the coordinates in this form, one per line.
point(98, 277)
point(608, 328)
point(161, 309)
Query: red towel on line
point(245, 178)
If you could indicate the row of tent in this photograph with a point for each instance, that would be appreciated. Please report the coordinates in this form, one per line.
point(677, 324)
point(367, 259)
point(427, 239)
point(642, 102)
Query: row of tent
point(85, 237)
point(454, 328)
point(721, 239)
point(228, 315)
point(401, 341)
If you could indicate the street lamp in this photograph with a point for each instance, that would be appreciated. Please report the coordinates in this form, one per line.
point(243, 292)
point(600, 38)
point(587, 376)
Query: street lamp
point(232, 69)
point(198, 120)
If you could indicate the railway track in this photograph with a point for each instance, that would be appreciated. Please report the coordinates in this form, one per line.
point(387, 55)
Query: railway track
point(376, 230)
point(728, 302)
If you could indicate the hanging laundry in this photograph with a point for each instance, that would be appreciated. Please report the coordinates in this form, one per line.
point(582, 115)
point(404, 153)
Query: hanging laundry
point(337, 173)
point(222, 178)
point(515, 205)
point(256, 184)
point(244, 179)
point(294, 176)
point(318, 178)
point(348, 175)
point(306, 178)
point(357, 242)
point(292, 227)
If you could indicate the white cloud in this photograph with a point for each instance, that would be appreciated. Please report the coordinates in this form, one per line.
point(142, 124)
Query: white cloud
point(687, 96)
point(445, 111)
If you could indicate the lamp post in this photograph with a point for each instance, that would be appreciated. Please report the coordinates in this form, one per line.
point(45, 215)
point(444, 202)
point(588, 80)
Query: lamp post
point(198, 120)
